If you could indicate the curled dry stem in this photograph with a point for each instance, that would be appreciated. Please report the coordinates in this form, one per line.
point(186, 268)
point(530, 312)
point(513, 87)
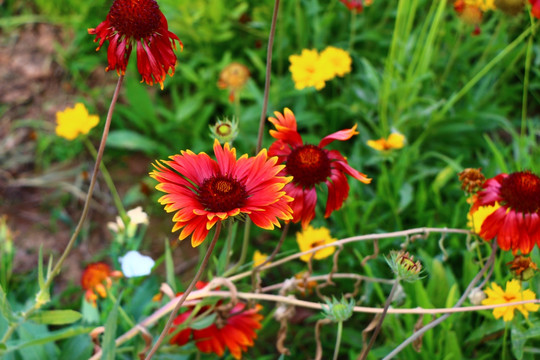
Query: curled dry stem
point(318, 325)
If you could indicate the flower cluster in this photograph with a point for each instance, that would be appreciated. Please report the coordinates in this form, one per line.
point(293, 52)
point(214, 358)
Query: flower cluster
point(313, 69)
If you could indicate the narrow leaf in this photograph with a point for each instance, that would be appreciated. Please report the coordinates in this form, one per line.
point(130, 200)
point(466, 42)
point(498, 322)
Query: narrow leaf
point(56, 317)
point(108, 345)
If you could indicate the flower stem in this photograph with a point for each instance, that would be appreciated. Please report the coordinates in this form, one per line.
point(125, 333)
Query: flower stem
point(186, 293)
point(338, 339)
point(56, 269)
point(267, 77)
point(528, 59)
point(110, 184)
point(377, 330)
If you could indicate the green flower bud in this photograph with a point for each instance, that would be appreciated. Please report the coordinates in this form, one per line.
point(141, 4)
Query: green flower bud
point(224, 130)
point(338, 311)
point(403, 266)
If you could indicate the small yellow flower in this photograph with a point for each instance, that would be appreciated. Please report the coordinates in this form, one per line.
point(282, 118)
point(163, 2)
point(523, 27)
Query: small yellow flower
point(477, 217)
point(308, 70)
point(394, 141)
point(259, 258)
point(513, 293)
point(75, 121)
point(483, 5)
point(311, 238)
point(338, 60)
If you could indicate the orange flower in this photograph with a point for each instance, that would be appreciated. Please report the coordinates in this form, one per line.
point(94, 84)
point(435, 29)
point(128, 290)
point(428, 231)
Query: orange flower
point(311, 165)
point(234, 330)
point(96, 278)
point(233, 77)
point(394, 141)
point(516, 222)
point(203, 191)
point(139, 22)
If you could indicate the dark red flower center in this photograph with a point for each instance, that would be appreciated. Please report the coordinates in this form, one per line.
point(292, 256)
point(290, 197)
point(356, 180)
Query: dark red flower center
point(136, 19)
point(222, 194)
point(308, 165)
point(521, 191)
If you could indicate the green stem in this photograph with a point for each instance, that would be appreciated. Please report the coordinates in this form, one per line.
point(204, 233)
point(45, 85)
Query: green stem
point(123, 313)
point(338, 339)
point(505, 344)
point(528, 60)
point(110, 184)
point(243, 252)
point(184, 296)
point(56, 269)
point(230, 232)
point(352, 33)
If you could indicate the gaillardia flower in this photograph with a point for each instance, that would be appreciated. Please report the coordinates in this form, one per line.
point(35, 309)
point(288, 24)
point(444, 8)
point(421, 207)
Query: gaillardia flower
point(516, 222)
point(311, 165)
point(513, 293)
point(356, 5)
point(311, 238)
point(203, 191)
point(97, 278)
point(139, 22)
point(233, 77)
point(234, 330)
point(75, 121)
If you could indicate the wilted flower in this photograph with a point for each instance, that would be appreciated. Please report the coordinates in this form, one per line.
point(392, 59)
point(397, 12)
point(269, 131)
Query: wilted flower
point(311, 165)
point(516, 222)
point(234, 330)
point(233, 77)
point(476, 296)
point(134, 264)
point(522, 267)
point(224, 130)
point(140, 23)
point(394, 141)
point(471, 179)
point(202, 191)
point(75, 121)
point(510, 7)
point(513, 293)
point(97, 278)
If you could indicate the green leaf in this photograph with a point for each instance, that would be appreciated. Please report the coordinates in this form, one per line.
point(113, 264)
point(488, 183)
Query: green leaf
point(520, 337)
point(108, 344)
point(5, 307)
point(56, 317)
point(169, 266)
point(204, 322)
point(43, 296)
point(130, 140)
point(89, 312)
point(49, 337)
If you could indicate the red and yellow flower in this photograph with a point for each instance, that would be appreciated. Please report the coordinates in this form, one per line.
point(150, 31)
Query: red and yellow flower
point(96, 279)
point(140, 23)
point(516, 220)
point(202, 191)
point(311, 165)
point(233, 330)
point(356, 5)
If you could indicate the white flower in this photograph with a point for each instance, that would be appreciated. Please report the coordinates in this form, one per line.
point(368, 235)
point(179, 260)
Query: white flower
point(134, 264)
point(137, 216)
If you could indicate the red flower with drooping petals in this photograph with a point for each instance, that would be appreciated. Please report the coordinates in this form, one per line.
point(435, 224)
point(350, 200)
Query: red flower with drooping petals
point(97, 278)
point(311, 165)
point(535, 10)
point(141, 22)
point(203, 191)
point(234, 330)
point(516, 223)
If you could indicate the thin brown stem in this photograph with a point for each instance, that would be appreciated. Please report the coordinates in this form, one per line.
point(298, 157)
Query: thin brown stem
point(186, 293)
point(268, 75)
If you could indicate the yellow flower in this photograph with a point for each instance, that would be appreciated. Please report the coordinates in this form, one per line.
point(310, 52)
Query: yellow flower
point(72, 122)
point(259, 258)
point(311, 238)
point(477, 217)
point(394, 141)
point(338, 60)
point(513, 293)
point(483, 5)
point(308, 70)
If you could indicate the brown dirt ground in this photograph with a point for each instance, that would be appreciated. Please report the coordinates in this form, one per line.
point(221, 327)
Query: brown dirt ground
point(33, 86)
